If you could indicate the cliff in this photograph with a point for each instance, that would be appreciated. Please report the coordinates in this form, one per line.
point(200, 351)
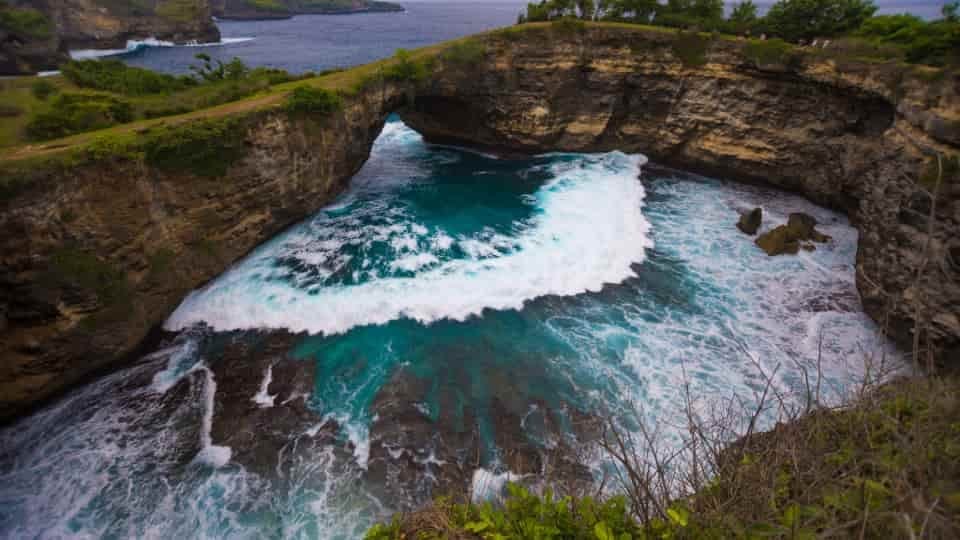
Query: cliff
point(853, 135)
point(28, 40)
point(104, 242)
point(99, 242)
point(105, 24)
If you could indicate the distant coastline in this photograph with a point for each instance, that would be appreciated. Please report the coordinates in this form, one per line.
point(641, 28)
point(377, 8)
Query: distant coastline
point(274, 10)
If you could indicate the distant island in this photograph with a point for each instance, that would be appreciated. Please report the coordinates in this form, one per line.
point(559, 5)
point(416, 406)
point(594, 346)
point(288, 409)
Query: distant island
point(284, 9)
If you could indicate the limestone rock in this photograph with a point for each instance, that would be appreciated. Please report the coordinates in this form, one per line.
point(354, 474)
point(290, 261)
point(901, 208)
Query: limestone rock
point(789, 238)
point(750, 221)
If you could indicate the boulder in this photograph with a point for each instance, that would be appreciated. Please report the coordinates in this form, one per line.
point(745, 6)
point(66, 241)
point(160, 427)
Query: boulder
point(786, 239)
point(750, 221)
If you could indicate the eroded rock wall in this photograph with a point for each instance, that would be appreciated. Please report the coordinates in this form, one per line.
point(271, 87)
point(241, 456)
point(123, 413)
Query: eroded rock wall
point(96, 255)
point(854, 136)
point(111, 23)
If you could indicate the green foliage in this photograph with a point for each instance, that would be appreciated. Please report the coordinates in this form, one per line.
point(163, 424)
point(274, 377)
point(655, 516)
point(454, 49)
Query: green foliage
point(116, 76)
point(743, 18)
point(184, 11)
point(70, 266)
point(523, 514)
point(465, 53)
point(42, 89)
point(231, 71)
point(697, 14)
point(25, 22)
point(78, 112)
point(568, 26)
point(552, 10)
point(405, 69)
point(267, 5)
point(312, 100)
point(934, 43)
point(691, 48)
point(769, 52)
point(204, 148)
point(795, 20)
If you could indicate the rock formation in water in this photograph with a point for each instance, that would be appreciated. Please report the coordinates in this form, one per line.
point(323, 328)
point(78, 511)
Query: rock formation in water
point(750, 221)
point(98, 249)
point(284, 9)
point(28, 40)
point(789, 238)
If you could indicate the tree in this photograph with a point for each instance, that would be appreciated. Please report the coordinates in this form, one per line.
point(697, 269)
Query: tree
point(951, 11)
point(795, 20)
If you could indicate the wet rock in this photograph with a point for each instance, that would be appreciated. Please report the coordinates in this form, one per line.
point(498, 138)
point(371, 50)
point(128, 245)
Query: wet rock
point(787, 239)
point(267, 424)
point(750, 221)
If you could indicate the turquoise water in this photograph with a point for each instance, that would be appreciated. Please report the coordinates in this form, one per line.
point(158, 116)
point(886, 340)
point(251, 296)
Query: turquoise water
point(515, 294)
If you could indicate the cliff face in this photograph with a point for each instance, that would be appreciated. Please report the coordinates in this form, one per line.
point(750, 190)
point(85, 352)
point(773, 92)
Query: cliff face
point(28, 40)
point(856, 137)
point(110, 23)
point(93, 256)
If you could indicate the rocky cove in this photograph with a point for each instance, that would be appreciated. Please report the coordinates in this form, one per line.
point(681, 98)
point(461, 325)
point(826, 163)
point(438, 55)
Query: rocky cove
point(103, 240)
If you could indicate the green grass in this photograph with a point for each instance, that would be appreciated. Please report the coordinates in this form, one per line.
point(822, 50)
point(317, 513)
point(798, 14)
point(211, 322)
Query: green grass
point(887, 465)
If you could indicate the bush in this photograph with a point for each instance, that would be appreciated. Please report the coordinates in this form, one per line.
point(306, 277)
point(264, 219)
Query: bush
point(795, 20)
point(466, 52)
point(310, 100)
point(405, 69)
point(115, 76)
point(43, 89)
point(769, 52)
point(204, 148)
point(76, 113)
point(26, 22)
point(691, 48)
point(935, 43)
point(521, 515)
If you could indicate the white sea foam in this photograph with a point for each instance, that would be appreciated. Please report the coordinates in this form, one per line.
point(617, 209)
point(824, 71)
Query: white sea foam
point(588, 230)
point(138, 44)
point(211, 454)
point(486, 484)
point(263, 397)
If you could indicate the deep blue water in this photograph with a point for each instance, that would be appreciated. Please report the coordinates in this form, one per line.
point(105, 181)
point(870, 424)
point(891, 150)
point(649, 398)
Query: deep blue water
point(318, 42)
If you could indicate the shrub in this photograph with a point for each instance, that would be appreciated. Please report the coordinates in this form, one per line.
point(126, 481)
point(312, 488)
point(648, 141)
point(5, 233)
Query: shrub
point(311, 100)
point(795, 20)
point(27, 22)
point(115, 76)
point(568, 26)
point(71, 266)
point(691, 48)
point(76, 113)
point(466, 52)
point(405, 69)
point(934, 43)
point(43, 89)
point(769, 52)
point(205, 148)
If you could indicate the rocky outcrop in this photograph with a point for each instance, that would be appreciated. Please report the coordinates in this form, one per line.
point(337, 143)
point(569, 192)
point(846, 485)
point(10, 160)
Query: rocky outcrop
point(28, 40)
point(854, 136)
point(750, 222)
point(788, 239)
point(95, 255)
point(109, 24)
